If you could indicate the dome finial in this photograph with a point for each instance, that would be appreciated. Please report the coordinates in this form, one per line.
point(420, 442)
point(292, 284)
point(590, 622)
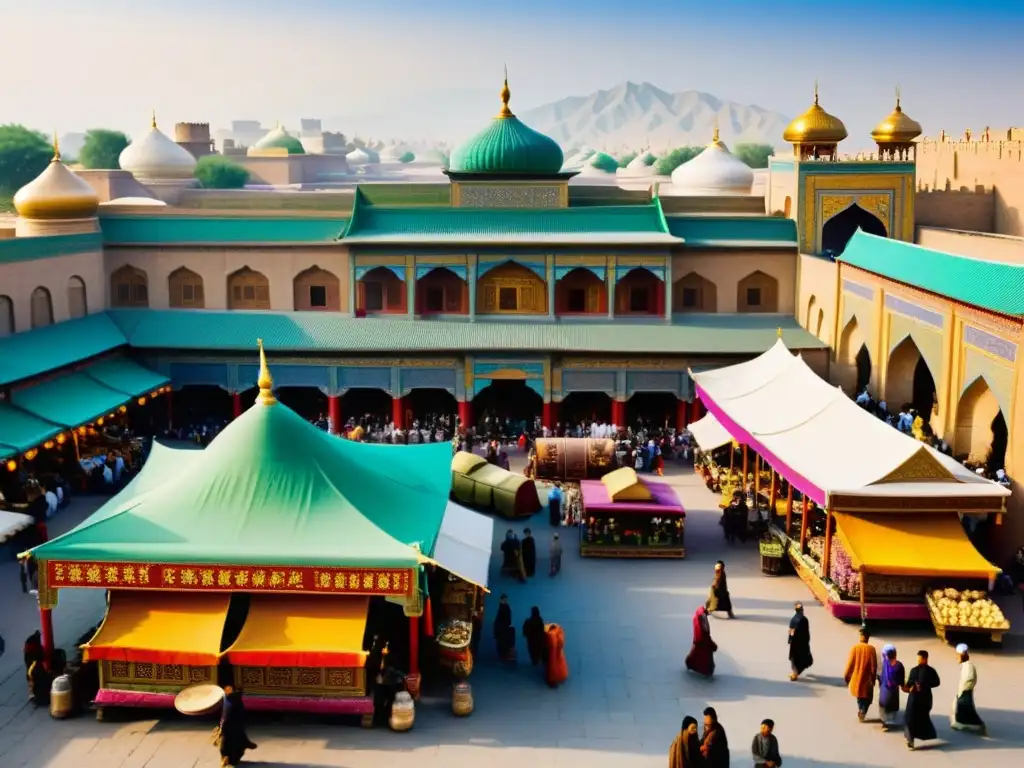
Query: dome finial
point(714, 138)
point(778, 333)
point(152, 123)
point(816, 93)
point(898, 99)
point(265, 381)
point(56, 147)
point(506, 94)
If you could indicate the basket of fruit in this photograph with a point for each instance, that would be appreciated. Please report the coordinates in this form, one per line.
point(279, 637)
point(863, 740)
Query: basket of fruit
point(772, 555)
point(454, 634)
point(968, 610)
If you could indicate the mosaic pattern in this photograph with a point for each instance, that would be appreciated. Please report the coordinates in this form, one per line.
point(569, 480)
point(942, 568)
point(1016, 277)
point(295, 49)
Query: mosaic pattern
point(990, 343)
point(279, 676)
point(307, 677)
point(252, 676)
point(340, 678)
point(927, 316)
point(119, 669)
point(510, 196)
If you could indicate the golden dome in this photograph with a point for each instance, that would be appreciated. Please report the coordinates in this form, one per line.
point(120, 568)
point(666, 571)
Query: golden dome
point(57, 193)
point(815, 126)
point(897, 128)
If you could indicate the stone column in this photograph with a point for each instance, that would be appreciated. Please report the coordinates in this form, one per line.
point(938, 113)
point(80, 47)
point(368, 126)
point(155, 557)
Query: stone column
point(550, 272)
point(609, 281)
point(236, 405)
point(668, 289)
point(410, 289)
point(334, 413)
point(471, 280)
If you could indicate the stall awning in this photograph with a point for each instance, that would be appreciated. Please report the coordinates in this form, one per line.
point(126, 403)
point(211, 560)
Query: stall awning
point(709, 433)
point(20, 430)
point(302, 631)
point(912, 544)
point(124, 375)
point(70, 400)
point(162, 628)
point(464, 544)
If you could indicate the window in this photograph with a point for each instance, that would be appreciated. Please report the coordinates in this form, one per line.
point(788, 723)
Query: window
point(373, 297)
point(508, 299)
point(576, 300)
point(185, 289)
point(248, 290)
point(753, 297)
point(77, 306)
point(129, 287)
point(188, 293)
point(691, 298)
point(6, 316)
point(318, 295)
point(435, 299)
point(639, 299)
point(42, 308)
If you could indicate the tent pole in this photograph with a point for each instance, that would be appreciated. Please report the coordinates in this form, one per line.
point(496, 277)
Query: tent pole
point(789, 510)
point(757, 478)
point(803, 525)
point(826, 556)
point(46, 634)
point(412, 682)
point(773, 495)
point(863, 606)
point(732, 458)
point(745, 469)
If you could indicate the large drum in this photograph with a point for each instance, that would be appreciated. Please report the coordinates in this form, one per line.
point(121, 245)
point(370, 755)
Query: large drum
point(199, 700)
point(574, 458)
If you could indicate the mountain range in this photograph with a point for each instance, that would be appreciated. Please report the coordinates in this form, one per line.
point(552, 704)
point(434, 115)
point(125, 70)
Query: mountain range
point(632, 116)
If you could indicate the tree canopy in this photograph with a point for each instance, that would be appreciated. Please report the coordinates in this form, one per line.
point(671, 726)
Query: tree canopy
point(24, 154)
point(675, 158)
point(627, 159)
point(406, 157)
point(754, 155)
point(219, 172)
point(604, 162)
point(102, 149)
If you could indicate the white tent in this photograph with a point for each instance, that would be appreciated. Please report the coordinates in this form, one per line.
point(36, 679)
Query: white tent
point(709, 433)
point(464, 544)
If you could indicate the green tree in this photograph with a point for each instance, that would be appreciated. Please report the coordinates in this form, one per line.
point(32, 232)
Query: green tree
point(754, 155)
point(102, 149)
point(23, 156)
point(675, 158)
point(604, 162)
point(218, 172)
point(627, 159)
point(407, 157)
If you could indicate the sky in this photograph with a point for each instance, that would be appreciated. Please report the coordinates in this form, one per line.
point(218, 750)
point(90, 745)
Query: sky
point(416, 69)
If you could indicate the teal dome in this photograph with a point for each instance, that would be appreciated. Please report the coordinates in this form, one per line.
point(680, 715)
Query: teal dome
point(279, 138)
point(508, 146)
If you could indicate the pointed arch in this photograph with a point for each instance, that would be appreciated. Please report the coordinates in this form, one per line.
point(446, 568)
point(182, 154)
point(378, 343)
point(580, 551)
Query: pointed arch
point(981, 425)
point(248, 289)
point(185, 289)
point(42, 307)
point(129, 287)
point(78, 305)
point(908, 379)
point(853, 359)
point(442, 291)
point(381, 291)
point(639, 292)
point(694, 293)
point(757, 292)
point(512, 289)
point(812, 305)
point(7, 326)
point(581, 292)
point(316, 290)
point(837, 231)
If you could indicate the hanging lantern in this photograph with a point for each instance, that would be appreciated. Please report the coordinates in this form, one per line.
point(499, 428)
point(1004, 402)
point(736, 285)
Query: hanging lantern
point(142, 401)
point(12, 465)
point(81, 430)
point(112, 414)
point(154, 394)
point(48, 445)
point(31, 454)
point(99, 422)
point(123, 409)
point(61, 439)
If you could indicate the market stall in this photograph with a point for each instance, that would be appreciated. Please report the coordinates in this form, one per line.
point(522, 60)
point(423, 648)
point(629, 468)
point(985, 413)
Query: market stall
point(486, 486)
point(628, 516)
point(573, 458)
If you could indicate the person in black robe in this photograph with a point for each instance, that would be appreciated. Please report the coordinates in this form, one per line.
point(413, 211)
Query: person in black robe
point(917, 722)
point(233, 739)
point(799, 642)
point(529, 549)
point(536, 639)
point(718, 596)
point(504, 632)
point(714, 745)
point(509, 558)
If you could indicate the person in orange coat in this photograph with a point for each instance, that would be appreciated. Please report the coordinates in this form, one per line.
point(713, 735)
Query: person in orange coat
point(557, 671)
point(862, 672)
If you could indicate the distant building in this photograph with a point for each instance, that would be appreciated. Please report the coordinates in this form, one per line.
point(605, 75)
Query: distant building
point(194, 137)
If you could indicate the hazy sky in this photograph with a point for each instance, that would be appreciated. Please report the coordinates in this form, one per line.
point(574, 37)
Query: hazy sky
point(432, 68)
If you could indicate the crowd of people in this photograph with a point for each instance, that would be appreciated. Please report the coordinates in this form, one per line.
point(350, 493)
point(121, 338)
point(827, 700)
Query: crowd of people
point(545, 643)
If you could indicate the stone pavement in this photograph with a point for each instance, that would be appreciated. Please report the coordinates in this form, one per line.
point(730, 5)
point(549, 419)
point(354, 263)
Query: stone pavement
point(627, 629)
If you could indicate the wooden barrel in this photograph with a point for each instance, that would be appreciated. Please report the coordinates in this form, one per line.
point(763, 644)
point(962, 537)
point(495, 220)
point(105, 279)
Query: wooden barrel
point(462, 700)
point(403, 712)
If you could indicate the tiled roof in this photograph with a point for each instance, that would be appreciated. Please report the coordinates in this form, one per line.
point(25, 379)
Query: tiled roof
point(152, 230)
point(32, 353)
point(330, 332)
point(991, 285)
point(734, 231)
point(28, 248)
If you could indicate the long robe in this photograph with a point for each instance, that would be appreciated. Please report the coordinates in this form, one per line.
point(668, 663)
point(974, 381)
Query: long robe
point(800, 657)
point(715, 747)
point(504, 632)
point(685, 751)
point(965, 714)
point(862, 670)
point(917, 717)
point(233, 739)
point(529, 548)
point(892, 678)
point(764, 749)
point(557, 671)
point(536, 640)
point(701, 658)
point(718, 596)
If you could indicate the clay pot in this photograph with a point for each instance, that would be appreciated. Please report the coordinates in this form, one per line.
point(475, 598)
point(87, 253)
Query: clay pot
point(462, 700)
point(403, 712)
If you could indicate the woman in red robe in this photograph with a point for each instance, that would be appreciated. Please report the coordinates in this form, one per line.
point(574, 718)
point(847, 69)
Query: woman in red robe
point(701, 658)
point(557, 671)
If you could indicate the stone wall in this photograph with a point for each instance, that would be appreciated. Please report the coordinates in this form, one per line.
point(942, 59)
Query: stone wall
point(972, 210)
point(726, 268)
point(973, 244)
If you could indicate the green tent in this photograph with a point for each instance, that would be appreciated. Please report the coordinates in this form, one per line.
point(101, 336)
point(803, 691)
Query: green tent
point(270, 490)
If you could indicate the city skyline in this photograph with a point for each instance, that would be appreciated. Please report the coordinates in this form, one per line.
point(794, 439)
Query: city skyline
point(396, 69)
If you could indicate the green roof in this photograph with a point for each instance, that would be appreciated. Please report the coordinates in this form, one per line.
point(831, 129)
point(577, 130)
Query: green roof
point(29, 248)
point(622, 224)
point(271, 489)
point(21, 430)
point(31, 353)
point(126, 376)
point(991, 285)
point(334, 332)
point(69, 400)
point(734, 231)
point(279, 138)
point(508, 146)
point(152, 230)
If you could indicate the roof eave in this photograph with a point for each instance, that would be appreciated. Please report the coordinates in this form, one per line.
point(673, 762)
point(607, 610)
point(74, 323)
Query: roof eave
point(546, 239)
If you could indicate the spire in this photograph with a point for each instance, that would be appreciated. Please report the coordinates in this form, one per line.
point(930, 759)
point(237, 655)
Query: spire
point(506, 94)
point(152, 123)
point(265, 381)
point(816, 93)
point(898, 109)
point(778, 333)
point(56, 147)
point(714, 138)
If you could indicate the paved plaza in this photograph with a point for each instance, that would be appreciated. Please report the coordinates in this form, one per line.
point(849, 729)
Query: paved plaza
point(627, 626)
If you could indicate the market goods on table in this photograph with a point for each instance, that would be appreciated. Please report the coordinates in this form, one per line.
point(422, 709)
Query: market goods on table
point(965, 609)
point(454, 634)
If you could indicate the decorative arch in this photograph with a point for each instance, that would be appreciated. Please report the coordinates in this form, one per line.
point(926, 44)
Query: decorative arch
point(381, 292)
point(909, 379)
point(811, 306)
point(512, 289)
point(640, 292)
point(442, 291)
point(129, 287)
point(248, 289)
point(694, 293)
point(316, 290)
point(787, 207)
point(185, 289)
point(7, 326)
point(981, 431)
point(757, 292)
point(853, 360)
point(930, 353)
point(42, 307)
point(581, 292)
point(78, 305)
point(819, 323)
point(837, 231)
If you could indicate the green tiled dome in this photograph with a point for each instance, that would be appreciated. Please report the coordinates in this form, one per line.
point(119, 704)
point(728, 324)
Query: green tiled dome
point(279, 138)
point(508, 145)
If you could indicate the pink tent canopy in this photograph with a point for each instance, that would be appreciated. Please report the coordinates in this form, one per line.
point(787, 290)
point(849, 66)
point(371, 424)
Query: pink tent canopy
point(596, 499)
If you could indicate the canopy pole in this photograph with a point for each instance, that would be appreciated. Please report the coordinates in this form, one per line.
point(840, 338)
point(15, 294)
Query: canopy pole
point(863, 599)
point(772, 496)
point(757, 479)
point(412, 680)
point(803, 525)
point(732, 458)
point(826, 556)
point(46, 635)
point(789, 510)
point(236, 405)
point(746, 467)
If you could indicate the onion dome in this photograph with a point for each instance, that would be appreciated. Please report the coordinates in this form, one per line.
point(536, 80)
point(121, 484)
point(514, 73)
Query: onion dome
point(897, 128)
point(715, 171)
point(154, 156)
point(279, 139)
point(357, 157)
point(815, 133)
point(508, 146)
point(56, 193)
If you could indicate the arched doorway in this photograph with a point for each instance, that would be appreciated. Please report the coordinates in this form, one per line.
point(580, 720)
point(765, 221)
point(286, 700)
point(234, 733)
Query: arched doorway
point(199, 405)
point(653, 410)
point(580, 292)
point(585, 408)
point(908, 380)
point(364, 406)
point(853, 360)
point(981, 433)
point(426, 405)
point(441, 291)
point(640, 292)
point(507, 399)
point(309, 402)
point(840, 228)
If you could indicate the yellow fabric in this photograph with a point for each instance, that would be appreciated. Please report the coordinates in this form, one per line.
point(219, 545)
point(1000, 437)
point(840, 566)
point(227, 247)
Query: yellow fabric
point(624, 485)
point(466, 462)
point(311, 624)
point(911, 545)
point(162, 623)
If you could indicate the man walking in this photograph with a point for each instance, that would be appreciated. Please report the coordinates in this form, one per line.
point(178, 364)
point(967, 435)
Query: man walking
point(555, 556)
point(862, 672)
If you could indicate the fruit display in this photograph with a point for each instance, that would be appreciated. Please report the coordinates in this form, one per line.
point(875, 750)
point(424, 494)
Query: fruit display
point(454, 634)
point(966, 609)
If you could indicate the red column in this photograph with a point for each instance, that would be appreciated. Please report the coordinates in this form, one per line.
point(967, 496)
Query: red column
point(412, 680)
point(46, 634)
point(170, 409)
point(465, 414)
point(236, 405)
point(546, 418)
point(695, 410)
point(334, 413)
point(397, 412)
point(681, 415)
point(618, 412)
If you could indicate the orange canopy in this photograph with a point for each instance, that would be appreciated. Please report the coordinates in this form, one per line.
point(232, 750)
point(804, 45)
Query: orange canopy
point(161, 628)
point(302, 631)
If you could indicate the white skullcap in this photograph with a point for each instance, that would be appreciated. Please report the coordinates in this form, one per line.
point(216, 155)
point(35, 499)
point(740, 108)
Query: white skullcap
point(962, 649)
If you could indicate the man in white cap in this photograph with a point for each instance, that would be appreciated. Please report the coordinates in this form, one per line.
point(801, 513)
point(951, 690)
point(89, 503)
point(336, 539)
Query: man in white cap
point(965, 714)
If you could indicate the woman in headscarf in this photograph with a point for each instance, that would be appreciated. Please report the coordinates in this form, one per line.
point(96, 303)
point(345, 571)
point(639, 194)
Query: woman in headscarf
point(233, 740)
point(800, 657)
point(533, 633)
point(685, 750)
point(701, 658)
point(558, 667)
point(965, 714)
point(891, 679)
point(504, 632)
point(718, 597)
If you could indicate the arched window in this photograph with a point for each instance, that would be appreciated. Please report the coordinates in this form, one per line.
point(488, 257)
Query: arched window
point(317, 290)
point(6, 316)
point(42, 308)
point(512, 289)
point(694, 293)
point(129, 287)
point(248, 289)
point(757, 292)
point(185, 289)
point(77, 304)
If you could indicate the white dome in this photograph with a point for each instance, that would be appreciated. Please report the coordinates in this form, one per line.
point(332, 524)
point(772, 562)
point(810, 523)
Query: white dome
point(643, 161)
point(392, 152)
point(154, 156)
point(577, 161)
point(358, 156)
point(713, 172)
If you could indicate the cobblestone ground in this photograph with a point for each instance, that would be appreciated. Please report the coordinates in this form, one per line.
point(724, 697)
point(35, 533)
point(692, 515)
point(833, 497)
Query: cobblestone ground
point(627, 628)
